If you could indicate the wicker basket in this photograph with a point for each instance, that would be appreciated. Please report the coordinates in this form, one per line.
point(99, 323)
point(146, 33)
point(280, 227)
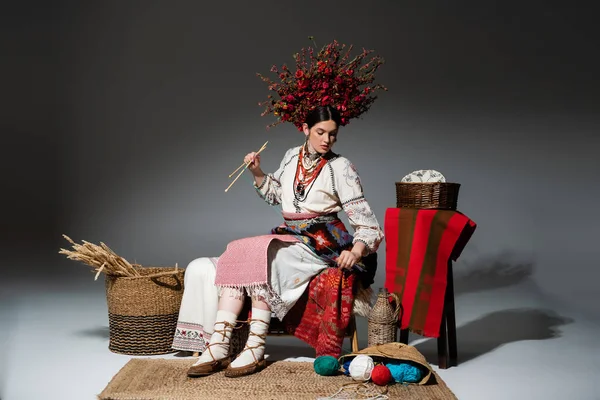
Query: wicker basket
point(239, 336)
point(441, 195)
point(383, 319)
point(143, 311)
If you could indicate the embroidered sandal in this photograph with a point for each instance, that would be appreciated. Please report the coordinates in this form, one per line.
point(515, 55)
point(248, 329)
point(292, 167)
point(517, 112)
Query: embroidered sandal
point(257, 365)
point(210, 367)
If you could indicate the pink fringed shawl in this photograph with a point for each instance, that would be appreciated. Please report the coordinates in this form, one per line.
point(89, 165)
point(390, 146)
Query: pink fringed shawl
point(245, 261)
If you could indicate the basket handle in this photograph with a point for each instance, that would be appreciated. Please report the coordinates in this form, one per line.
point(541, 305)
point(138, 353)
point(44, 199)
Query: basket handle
point(157, 275)
point(154, 278)
point(398, 304)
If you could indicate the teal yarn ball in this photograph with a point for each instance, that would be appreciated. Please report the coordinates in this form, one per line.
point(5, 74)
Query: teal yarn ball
point(326, 365)
point(403, 372)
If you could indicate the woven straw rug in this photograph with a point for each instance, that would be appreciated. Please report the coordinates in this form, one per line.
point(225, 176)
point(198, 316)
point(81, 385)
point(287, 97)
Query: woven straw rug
point(166, 379)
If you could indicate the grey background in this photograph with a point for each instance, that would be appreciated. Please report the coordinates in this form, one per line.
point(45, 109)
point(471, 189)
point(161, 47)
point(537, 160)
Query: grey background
point(121, 121)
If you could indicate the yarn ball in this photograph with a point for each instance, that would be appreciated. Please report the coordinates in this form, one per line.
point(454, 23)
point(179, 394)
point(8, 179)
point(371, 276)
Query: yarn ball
point(403, 372)
point(381, 375)
point(361, 368)
point(326, 365)
point(346, 367)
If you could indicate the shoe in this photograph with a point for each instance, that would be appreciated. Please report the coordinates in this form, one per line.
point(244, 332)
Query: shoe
point(209, 367)
point(249, 369)
point(256, 366)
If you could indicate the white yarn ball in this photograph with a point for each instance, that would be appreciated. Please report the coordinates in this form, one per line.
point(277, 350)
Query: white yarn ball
point(361, 367)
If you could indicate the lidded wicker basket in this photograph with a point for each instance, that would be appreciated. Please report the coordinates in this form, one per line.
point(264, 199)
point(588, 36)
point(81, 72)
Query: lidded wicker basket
point(383, 319)
point(441, 195)
point(143, 310)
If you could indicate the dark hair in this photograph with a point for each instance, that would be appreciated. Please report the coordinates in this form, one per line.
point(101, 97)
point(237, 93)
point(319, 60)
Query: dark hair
point(323, 113)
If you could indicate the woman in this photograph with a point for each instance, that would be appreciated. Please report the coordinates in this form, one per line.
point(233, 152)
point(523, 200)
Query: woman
point(312, 184)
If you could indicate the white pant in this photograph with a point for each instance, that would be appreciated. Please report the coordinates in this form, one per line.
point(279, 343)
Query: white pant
point(198, 306)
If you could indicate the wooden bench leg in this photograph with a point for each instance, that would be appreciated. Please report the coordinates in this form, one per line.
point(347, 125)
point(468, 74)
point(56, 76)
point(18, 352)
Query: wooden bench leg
point(447, 340)
point(404, 336)
point(403, 332)
point(442, 344)
point(451, 318)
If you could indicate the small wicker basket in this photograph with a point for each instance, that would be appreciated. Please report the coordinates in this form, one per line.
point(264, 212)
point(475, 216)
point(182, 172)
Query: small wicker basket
point(143, 310)
point(441, 195)
point(383, 319)
point(239, 336)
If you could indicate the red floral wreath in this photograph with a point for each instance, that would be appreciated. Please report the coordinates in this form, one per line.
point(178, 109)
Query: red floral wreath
point(327, 78)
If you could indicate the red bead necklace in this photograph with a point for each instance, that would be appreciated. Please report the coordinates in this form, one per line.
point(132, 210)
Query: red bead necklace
point(304, 177)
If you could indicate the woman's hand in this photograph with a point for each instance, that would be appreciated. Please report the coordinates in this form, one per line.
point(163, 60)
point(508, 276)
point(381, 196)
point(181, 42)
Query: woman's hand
point(347, 259)
point(254, 160)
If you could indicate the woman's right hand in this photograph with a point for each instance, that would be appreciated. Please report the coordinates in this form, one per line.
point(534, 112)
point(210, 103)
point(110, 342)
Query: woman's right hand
point(254, 160)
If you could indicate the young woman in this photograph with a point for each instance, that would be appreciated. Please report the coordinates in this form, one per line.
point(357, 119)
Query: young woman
point(311, 185)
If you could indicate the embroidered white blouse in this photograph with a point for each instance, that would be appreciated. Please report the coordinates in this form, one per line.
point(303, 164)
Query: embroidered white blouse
point(337, 187)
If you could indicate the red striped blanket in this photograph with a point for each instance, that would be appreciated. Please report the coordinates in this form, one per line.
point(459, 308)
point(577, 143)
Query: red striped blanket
point(419, 245)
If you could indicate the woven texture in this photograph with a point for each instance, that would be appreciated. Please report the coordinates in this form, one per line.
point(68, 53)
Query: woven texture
point(163, 379)
point(440, 195)
point(419, 246)
point(143, 311)
point(383, 319)
point(245, 261)
point(239, 336)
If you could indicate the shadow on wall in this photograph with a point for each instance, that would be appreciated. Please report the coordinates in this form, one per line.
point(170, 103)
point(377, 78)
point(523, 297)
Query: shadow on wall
point(492, 272)
point(499, 328)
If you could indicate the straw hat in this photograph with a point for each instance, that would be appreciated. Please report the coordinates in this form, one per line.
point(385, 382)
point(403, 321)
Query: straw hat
point(395, 351)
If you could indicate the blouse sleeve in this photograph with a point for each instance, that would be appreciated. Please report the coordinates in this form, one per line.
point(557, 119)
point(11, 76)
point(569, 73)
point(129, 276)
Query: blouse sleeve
point(270, 188)
point(360, 216)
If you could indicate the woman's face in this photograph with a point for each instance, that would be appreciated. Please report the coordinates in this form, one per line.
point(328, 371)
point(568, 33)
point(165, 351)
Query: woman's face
point(322, 135)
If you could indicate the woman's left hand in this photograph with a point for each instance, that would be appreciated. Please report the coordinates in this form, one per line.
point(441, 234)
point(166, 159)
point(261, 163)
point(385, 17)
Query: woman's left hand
point(347, 259)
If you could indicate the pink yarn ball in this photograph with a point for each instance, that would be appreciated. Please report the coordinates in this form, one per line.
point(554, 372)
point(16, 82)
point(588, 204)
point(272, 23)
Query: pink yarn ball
point(381, 375)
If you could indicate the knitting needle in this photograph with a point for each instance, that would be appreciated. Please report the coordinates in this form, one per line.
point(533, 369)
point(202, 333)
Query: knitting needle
point(238, 168)
point(264, 146)
point(236, 178)
point(261, 149)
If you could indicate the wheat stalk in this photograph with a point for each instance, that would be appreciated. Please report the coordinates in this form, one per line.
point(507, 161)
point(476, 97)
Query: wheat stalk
point(101, 257)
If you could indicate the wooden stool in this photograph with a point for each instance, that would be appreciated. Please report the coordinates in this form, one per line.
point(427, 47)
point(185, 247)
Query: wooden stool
point(276, 328)
point(446, 343)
